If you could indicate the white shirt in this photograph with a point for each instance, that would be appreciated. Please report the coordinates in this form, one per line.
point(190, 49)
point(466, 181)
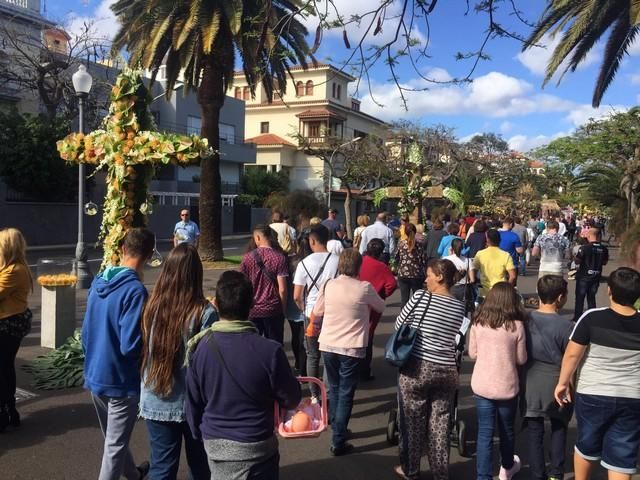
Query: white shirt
point(381, 231)
point(308, 269)
point(335, 247)
point(462, 264)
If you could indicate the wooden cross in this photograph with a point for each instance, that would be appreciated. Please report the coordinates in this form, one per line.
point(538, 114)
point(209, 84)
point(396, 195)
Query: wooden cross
point(127, 149)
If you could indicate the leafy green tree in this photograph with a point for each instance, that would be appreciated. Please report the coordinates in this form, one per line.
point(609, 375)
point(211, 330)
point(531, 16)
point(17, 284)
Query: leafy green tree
point(30, 162)
point(259, 184)
point(582, 23)
point(198, 41)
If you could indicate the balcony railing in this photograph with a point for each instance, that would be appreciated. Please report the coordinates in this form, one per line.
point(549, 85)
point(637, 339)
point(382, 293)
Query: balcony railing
point(322, 140)
point(17, 3)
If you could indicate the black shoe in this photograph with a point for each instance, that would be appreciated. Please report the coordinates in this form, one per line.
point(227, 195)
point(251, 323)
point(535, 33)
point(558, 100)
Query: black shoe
point(4, 419)
point(14, 417)
point(143, 468)
point(345, 449)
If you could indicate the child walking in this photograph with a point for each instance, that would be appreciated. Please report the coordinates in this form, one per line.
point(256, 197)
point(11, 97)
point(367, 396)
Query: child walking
point(547, 338)
point(497, 344)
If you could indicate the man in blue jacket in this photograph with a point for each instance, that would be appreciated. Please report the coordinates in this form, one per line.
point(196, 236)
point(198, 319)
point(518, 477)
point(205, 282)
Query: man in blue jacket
point(112, 344)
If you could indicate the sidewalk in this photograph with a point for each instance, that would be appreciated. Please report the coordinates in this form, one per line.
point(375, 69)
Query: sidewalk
point(60, 438)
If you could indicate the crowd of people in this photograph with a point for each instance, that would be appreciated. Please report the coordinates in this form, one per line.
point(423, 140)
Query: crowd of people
point(206, 375)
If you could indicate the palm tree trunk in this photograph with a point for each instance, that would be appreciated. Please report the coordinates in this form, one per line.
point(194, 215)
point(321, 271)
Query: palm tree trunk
point(348, 221)
point(211, 99)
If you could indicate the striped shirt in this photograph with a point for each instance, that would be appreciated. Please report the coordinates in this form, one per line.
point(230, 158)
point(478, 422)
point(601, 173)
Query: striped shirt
point(611, 364)
point(436, 339)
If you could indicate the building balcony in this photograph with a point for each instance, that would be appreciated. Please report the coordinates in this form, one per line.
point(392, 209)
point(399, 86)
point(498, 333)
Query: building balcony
point(322, 140)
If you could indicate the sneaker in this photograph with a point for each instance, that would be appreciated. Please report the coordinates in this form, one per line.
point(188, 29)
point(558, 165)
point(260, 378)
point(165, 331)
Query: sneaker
point(143, 468)
point(345, 449)
point(509, 474)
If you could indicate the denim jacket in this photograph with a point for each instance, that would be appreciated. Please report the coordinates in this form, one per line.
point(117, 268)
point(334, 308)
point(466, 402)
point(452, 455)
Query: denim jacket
point(170, 408)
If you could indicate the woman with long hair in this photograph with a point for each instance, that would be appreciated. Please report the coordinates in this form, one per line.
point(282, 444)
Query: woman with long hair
point(176, 311)
point(497, 343)
point(428, 381)
point(476, 240)
point(463, 265)
point(15, 318)
point(409, 264)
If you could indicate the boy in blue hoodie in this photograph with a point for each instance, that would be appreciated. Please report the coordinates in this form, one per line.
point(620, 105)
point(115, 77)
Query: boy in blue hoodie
point(112, 343)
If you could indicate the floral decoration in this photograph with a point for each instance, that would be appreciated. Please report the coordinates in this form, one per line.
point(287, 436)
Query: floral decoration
point(129, 155)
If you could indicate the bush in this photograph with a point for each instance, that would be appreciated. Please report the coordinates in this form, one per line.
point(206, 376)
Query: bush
point(300, 205)
point(259, 184)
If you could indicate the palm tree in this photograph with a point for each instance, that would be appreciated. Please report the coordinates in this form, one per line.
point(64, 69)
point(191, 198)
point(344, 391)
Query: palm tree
point(582, 23)
point(198, 41)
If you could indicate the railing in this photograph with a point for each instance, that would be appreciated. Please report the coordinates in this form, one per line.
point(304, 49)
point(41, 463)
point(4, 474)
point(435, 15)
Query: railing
point(177, 199)
point(18, 3)
point(322, 140)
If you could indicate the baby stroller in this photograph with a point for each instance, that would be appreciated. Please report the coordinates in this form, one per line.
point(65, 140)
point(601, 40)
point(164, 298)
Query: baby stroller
point(456, 424)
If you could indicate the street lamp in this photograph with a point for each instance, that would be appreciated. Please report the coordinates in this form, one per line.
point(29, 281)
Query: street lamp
point(82, 85)
point(353, 140)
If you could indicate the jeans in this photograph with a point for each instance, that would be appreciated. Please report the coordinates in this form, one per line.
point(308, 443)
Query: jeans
point(9, 345)
point(313, 362)
point(117, 417)
point(557, 448)
point(365, 367)
point(165, 440)
point(297, 347)
point(271, 327)
point(488, 411)
point(342, 375)
point(585, 287)
point(408, 286)
point(522, 264)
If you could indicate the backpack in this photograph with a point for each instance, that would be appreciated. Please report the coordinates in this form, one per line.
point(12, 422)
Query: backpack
point(286, 244)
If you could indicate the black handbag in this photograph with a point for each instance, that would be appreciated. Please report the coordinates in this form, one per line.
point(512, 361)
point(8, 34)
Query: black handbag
point(400, 345)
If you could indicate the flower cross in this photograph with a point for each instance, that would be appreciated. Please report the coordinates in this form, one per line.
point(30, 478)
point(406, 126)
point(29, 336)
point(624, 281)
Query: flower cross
point(129, 155)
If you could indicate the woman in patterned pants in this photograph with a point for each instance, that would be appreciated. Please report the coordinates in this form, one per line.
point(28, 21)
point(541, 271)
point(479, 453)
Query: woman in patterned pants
point(429, 379)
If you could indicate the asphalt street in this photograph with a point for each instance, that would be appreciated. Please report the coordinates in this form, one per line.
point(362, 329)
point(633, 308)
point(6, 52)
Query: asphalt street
point(60, 438)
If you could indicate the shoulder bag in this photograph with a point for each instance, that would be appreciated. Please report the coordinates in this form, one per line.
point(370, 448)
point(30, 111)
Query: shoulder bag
point(400, 345)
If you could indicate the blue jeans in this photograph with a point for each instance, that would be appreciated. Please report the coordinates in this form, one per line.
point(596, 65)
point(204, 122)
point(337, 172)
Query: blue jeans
point(342, 376)
point(488, 411)
point(585, 287)
point(165, 439)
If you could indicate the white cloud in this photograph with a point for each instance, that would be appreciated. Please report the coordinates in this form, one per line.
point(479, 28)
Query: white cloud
point(493, 95)
point(635, 79)
point(358, 8)
point(466, 138)
point(523, 143)
point(506, 127)
point(438, 74)
point(582, 113)
point(536, 58)
point(103, 22)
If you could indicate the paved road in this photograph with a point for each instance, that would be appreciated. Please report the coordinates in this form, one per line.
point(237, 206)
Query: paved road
point(232, 246)
point(60, 438)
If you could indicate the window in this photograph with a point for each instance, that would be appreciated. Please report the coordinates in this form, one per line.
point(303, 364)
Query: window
point(333, 90)
point(313, 129)
point(339, 87)
point(194, 125)
point(227, 132)
point(355, 106)
point(238, 93)
point(246, 93)
point(309, 88)
point(299, 89)
point(264, 127)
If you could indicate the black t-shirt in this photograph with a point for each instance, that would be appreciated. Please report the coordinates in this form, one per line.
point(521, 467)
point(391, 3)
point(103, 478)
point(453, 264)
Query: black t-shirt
point(590, 259)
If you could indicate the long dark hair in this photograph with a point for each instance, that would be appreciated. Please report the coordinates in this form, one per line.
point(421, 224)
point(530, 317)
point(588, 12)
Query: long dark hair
point(176, 299)
point(502, 307)
point(410, 232)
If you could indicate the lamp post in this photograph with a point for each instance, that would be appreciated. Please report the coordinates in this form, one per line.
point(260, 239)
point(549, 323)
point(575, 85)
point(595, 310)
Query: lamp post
point(353, 140)
point(82, 85)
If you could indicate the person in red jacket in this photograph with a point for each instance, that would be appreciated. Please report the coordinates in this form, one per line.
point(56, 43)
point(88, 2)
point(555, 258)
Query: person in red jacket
point(378, 274)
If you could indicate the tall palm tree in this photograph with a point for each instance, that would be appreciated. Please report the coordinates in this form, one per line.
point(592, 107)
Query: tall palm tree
point(198, 41)
point(582, 23)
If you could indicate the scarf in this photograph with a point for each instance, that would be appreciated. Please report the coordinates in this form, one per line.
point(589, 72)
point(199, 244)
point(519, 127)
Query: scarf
point(233, 326)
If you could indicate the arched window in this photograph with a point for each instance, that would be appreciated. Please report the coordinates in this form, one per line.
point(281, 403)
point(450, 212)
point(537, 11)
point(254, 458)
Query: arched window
point(238, 93)
point(245, 93)
point(339, 87)
point(299, 89)
point(309, 87)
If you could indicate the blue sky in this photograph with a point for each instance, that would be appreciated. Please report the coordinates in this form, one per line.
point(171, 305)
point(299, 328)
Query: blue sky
point(505, 97)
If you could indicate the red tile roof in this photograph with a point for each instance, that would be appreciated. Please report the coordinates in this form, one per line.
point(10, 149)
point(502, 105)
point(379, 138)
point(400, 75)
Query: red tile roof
point(269, 139)
point(319, 113)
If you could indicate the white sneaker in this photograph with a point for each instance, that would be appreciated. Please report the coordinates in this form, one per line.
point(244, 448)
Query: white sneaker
point(509, 474)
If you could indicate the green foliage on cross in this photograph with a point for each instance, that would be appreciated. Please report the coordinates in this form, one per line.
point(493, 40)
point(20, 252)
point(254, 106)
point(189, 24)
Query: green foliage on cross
point(127, 149)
